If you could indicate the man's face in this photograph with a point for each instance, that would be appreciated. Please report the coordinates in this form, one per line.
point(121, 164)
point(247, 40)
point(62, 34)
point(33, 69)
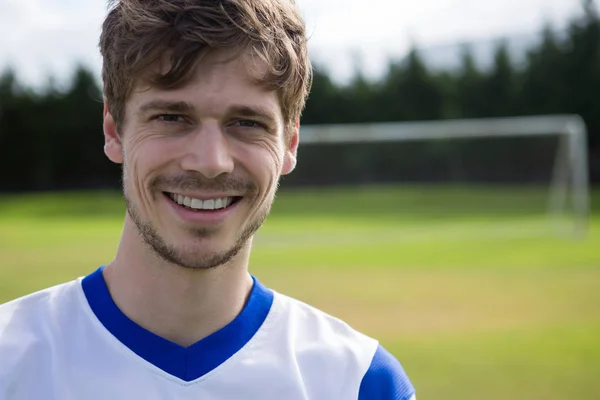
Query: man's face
point(201, 163)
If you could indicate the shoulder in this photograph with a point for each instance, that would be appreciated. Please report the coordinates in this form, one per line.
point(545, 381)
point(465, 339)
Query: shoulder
point(386, 379)
point(314, 326)
point(332, 344)
point(35, 304)
point(27, 322)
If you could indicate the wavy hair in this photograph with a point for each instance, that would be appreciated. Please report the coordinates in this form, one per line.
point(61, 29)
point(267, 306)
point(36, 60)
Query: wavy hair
point(138, 34)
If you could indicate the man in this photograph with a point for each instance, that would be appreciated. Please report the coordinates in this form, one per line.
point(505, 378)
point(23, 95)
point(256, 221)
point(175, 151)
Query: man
point(202, 107)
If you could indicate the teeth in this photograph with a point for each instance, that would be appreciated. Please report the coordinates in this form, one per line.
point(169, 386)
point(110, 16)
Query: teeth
point(209, 204)
point(197, 204)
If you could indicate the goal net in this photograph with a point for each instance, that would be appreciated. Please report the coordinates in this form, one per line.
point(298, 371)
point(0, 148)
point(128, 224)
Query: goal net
point(519, 166)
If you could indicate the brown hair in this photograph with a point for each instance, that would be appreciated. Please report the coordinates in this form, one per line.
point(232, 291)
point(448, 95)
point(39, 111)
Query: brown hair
point(137, 34)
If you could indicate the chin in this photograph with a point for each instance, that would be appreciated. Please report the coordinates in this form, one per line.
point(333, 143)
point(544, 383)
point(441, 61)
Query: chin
point(204, 259)
point(198, 247)
point(200, 251)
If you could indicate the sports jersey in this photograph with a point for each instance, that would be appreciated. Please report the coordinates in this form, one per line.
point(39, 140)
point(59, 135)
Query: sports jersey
point(71, 342)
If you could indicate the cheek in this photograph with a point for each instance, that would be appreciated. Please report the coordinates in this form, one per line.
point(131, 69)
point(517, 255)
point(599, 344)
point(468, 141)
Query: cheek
point(143, 146)
point(273, 158)
point(135, 176)
point(260, 163)
point(259, 158)
point(271, 164)
point(143, 158)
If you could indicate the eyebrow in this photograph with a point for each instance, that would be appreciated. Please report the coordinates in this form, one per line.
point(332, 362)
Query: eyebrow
point(241, 110)
point(171, 106)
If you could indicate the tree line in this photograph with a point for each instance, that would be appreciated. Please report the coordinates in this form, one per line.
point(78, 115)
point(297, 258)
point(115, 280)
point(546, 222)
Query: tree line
point(52, 138)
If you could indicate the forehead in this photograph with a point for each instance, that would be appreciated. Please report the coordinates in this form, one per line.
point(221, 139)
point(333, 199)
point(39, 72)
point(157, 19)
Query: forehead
point(218, 79)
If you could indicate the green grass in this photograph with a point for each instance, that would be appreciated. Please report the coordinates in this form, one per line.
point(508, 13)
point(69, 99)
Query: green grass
point(472, 289)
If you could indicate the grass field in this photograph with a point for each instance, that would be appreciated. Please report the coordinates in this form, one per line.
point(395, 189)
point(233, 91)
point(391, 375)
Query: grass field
point(470, 288)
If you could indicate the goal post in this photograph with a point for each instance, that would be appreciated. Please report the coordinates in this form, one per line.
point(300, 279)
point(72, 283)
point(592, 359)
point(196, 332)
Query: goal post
point(570, 182)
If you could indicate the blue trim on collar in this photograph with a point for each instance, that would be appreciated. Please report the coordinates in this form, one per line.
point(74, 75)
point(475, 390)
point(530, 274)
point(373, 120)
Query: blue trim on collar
point(184, 363)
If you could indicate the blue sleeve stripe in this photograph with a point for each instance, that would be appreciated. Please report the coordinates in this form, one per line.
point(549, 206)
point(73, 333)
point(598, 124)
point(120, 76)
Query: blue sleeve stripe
point(385, 379)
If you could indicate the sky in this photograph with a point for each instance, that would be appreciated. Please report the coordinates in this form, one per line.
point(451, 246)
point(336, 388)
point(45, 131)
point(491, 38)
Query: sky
point(43, 38)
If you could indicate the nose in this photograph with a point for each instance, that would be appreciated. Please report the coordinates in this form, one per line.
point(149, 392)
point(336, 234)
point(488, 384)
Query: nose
point(208, 153)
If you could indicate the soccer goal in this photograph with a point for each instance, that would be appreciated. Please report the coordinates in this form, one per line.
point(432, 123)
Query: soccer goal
point(566, 192)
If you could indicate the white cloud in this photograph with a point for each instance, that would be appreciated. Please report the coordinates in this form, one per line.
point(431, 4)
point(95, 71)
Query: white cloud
point(46, 37)
point(379, 29)
point(41, 38)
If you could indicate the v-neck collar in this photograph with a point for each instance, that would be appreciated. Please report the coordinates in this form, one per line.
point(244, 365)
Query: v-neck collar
point(186, 363)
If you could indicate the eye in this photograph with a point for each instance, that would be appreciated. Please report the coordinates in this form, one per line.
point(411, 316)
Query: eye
point(246, 123)
point(170, 118)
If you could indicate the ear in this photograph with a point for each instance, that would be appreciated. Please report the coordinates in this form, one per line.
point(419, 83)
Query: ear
point(291, 151)
point(113, 147)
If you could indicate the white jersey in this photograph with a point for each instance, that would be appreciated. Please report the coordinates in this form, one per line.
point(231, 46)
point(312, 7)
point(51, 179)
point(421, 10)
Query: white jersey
point(71, 342)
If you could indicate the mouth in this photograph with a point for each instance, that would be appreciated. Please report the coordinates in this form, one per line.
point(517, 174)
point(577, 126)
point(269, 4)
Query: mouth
point(200, 205)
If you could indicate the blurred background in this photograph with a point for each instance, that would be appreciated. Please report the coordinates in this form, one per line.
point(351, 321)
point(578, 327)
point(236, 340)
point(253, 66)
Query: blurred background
point(474, 258)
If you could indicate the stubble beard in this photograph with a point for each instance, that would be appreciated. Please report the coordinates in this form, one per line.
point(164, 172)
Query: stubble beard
point(189, 258)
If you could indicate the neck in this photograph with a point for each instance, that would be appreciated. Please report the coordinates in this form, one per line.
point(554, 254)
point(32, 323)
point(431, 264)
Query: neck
point(178, 304)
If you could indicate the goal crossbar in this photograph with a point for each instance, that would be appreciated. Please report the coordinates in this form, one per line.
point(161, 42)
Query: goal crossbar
point(571, 165)
point(458, 128)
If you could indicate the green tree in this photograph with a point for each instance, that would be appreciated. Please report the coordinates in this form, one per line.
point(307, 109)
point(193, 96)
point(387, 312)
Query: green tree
point(410, 92)
point(582, 69)
point(323, 104)
point(500, 86)
point(543, 81)
point(80, 128)
point(15, 138)
point(469, 87)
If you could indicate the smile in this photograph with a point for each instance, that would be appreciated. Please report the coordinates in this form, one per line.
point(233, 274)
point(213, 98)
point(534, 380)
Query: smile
point(202, 205)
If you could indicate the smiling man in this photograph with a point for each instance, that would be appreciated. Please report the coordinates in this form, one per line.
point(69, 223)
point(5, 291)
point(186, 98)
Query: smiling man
point(202, 106)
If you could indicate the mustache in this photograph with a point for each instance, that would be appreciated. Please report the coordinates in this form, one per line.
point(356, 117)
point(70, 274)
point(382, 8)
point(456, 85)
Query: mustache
point(191, 182)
